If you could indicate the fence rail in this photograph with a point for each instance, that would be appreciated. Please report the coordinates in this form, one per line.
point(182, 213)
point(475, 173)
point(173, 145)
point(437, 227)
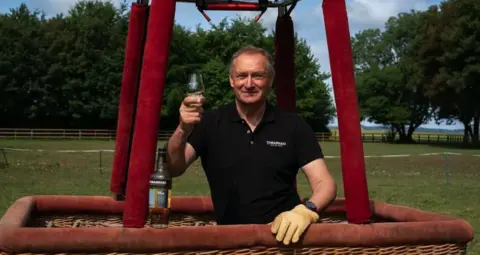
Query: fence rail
point(109, 134)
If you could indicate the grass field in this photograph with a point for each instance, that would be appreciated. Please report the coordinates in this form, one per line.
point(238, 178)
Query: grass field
point(417, 181)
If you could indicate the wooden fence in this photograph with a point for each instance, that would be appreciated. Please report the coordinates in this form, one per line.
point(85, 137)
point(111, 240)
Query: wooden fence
point(109, 134)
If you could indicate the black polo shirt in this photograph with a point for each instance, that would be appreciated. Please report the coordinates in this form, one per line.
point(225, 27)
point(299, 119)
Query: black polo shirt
point(252, 174)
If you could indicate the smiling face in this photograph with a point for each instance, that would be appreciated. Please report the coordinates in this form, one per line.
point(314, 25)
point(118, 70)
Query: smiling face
point(250, 78)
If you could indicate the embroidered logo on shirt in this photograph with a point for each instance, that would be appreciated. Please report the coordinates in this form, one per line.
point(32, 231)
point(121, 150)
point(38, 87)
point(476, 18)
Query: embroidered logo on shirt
point(276, 144)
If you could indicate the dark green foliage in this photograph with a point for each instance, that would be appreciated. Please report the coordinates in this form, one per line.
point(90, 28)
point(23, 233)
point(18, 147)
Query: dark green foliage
point(423, 66)
point(66, 71)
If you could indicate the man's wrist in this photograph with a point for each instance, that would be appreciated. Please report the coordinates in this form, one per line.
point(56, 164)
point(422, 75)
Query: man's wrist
point(307, 212)
point(183, 132)
point(311, 206)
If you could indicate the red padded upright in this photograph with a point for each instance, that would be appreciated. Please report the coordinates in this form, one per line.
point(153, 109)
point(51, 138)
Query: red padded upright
point(341, 63)
point(128, 96)
point(285, 63)
point(147, 122)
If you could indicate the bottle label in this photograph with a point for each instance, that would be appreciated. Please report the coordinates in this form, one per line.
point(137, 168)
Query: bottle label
point(158, 183)
point(159, 198)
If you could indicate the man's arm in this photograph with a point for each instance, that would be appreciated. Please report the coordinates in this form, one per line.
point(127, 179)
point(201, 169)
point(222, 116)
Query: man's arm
point(310, 160)
point(180, 154)
point(324, 188)
point(187, 141)
point(290, 225)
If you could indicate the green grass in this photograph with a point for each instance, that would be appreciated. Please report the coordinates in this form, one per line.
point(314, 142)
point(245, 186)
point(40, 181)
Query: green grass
point(417, 181)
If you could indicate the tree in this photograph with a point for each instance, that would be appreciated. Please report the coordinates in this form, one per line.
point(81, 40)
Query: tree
point(21, 65)
point(451, 60)
point(389, 82)
point(314, 102)
point(211, 52)
point(67, 69)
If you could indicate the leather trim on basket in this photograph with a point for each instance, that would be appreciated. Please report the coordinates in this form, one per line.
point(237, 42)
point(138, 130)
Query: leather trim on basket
point(18, 213)
point(416, 227)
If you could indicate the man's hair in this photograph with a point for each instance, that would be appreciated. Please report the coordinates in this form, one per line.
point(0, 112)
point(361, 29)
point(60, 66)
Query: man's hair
point(249, 49)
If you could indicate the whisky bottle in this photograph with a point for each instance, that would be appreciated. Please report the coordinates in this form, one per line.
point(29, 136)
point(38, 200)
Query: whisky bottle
point(160, 190)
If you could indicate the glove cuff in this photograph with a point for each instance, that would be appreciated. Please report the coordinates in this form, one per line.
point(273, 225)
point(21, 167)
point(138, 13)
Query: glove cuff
point(302, 209)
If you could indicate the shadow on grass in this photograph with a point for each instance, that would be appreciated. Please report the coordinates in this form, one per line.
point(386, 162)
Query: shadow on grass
point(455, 146)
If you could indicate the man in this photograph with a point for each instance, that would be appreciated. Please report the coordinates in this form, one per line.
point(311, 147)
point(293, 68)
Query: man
point(251, 152)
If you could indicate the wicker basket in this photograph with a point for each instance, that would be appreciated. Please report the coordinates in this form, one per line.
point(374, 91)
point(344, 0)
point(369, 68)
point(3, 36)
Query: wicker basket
point(93, 225)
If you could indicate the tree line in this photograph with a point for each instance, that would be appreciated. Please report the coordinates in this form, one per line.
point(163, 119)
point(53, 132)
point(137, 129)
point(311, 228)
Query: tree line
point(423, 66)
point(65, 71)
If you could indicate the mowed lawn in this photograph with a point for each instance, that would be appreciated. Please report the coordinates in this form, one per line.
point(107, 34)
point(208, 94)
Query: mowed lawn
point(443, 184)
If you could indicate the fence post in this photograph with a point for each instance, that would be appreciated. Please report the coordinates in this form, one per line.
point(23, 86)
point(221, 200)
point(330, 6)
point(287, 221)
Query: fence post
point(100, 160)
point(4, 157)
point(445, 155)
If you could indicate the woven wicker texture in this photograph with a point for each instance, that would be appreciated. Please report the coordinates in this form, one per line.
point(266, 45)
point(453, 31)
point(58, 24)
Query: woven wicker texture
point(87, 221)
point(444, 249)
point(101, 220)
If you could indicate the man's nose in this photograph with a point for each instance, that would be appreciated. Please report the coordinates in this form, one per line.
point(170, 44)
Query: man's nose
point(249, 82)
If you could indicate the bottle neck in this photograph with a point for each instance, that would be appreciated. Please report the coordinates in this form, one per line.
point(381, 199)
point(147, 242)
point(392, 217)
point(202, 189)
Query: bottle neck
point(160, 160)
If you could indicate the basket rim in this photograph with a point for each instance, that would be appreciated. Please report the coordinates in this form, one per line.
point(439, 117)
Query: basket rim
point(413, 227)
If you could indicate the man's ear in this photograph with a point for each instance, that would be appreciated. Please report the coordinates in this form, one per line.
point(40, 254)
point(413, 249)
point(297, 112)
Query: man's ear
point(231, 80)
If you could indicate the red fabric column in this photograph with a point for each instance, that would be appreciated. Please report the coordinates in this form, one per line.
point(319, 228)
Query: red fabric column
point(128, 96)
point(341, 63)
point(285, 63)
point(150, 98)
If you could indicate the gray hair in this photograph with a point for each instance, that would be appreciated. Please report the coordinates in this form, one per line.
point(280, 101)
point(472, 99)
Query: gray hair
point(249, 49)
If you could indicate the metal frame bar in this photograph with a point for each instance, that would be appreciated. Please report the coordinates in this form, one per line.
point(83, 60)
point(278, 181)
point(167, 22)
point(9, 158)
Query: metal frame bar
point(234, 2)
point(143, 2)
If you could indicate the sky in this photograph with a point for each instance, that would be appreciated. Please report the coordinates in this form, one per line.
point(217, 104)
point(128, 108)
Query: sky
point(307, 17)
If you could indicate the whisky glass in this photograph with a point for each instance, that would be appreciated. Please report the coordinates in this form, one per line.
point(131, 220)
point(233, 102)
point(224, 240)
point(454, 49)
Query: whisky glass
point(195, 85)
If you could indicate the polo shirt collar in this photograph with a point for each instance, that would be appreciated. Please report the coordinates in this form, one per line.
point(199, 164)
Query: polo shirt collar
point(268, 116)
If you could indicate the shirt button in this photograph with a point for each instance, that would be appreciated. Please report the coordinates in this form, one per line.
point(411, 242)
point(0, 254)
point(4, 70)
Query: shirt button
point(251, 142)
point(248, 131)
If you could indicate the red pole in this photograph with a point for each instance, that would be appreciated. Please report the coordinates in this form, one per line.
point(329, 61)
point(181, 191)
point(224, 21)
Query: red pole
point(285, 87)
point(341, 63)
point(285, 63)
point(150, 99)
point(128, 96)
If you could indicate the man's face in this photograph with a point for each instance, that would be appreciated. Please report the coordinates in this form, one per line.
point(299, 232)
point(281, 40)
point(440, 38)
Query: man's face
point(250, 79)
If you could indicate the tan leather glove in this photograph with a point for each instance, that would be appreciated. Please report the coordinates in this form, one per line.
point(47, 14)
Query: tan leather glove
point(290, 225)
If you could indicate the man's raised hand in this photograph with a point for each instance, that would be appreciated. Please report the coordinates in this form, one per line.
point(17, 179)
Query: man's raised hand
point(191, 112)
